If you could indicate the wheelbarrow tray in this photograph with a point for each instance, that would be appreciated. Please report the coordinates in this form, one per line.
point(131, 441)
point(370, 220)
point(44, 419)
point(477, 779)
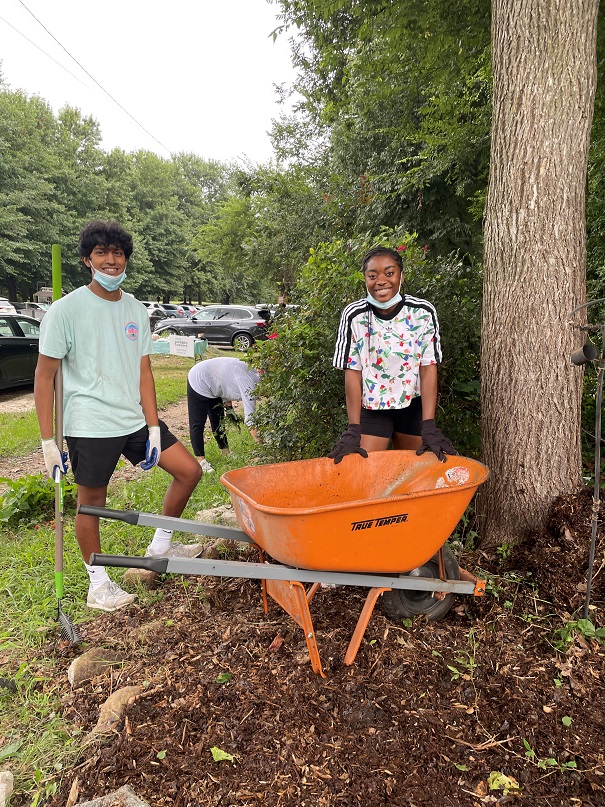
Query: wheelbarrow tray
point(387, 513)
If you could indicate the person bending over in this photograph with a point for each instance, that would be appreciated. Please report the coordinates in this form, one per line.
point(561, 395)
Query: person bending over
point(210, 383)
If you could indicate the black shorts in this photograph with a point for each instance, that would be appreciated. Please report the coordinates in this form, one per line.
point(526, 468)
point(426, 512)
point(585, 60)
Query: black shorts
point(385, 422)
point(94, 459)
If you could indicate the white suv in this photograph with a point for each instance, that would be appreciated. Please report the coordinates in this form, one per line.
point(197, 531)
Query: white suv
point(6, 307)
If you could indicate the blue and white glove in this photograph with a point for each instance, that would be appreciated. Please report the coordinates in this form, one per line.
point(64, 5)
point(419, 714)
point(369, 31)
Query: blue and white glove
point(54, 459)
point(153, 449)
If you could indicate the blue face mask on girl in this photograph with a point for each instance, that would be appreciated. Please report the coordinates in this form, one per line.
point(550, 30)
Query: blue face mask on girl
point(109, 282)
point(384, 305)
point(387, 304)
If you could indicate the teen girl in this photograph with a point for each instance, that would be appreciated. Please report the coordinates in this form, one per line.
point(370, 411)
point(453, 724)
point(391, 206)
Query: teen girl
point(388, 346)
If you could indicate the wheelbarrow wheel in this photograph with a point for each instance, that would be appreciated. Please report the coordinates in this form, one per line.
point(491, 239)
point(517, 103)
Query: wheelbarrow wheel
point(407, 603)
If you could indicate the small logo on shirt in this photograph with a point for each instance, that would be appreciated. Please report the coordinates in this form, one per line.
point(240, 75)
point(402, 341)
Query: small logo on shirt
point(132, 331)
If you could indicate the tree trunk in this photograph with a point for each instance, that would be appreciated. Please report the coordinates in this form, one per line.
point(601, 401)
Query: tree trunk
point(544, 72)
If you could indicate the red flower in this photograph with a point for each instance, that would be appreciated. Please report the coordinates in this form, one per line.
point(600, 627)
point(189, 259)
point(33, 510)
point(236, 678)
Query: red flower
point(425, 248)
point(401, 248)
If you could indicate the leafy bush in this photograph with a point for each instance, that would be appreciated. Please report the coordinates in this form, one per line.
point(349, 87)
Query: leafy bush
point(301, 410)
point(31, 499)
point(455, 289)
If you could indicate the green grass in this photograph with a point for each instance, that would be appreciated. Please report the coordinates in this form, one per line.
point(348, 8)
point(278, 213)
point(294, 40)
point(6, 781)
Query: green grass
point(19, 433)
point(35, 742)
point(170, 373)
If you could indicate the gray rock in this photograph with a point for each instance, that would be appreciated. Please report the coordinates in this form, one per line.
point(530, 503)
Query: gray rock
point(6, 786)
point(148, 579)
point(124, 797)
point(112, 711)
point(224, 514)
point(90, 664)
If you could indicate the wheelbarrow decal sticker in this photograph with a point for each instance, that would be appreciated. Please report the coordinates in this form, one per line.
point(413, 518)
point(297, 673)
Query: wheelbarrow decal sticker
point(459, 475)
point(384, 521)
point(246, 515)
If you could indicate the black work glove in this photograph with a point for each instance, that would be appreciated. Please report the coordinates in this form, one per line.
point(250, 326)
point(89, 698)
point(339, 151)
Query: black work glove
point(433, 439)
point(349, 443)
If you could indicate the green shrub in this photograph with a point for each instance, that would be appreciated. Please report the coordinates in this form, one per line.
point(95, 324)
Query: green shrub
point(31, 499)
point(455, 289)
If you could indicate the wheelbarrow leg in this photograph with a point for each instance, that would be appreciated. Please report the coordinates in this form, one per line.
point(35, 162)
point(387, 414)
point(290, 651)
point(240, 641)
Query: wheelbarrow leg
point(362, 623)
point(292, 597)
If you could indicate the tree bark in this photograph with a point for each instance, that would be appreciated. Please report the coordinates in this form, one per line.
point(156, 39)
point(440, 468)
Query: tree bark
point(544, 74)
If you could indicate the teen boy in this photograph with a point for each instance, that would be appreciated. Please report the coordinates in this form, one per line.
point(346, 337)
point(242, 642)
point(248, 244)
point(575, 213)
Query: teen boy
point(101, 339)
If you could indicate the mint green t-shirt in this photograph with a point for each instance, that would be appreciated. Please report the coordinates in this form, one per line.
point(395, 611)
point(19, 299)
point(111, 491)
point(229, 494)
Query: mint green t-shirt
point(101, 344)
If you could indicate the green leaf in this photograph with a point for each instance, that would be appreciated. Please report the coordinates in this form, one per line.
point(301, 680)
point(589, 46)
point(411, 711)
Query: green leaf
point(499, 781)
point(218, 755)
point(161, 754)
point(223, 678)
point(566, 720)
point(10, 750)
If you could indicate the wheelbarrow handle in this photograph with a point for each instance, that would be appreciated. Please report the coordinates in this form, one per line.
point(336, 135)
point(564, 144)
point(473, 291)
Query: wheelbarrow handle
point(167, 523)
point(158, 565)
point(129, 516)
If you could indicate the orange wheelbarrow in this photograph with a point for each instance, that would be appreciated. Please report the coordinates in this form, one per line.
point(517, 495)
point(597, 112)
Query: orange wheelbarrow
point(379, 523)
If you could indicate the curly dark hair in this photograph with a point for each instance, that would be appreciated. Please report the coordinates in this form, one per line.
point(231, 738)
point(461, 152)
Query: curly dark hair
point(372, 253)
point(105, 234)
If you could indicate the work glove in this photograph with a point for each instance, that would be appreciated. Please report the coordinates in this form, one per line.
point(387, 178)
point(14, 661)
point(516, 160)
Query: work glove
point(54, 459)
point(153, 449)
point(434, 440)
point(349, 443)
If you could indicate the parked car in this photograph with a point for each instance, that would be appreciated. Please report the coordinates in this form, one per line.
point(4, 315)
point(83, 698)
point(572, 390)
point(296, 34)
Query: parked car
point(155, 315)
point(173, 310)
point(236, 325)
point(189, 309)
point(31, 309)
point(19, 339)
point(34, 306)
point(150, 305)
point(6, 307)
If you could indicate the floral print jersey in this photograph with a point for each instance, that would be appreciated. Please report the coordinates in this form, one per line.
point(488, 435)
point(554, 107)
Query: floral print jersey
point(388, 350)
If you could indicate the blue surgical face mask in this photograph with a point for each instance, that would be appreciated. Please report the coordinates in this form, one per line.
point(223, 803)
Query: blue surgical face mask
point(109, 282)
point(387, 304)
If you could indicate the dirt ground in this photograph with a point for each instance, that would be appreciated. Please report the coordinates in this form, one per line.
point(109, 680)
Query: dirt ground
point(478, 709)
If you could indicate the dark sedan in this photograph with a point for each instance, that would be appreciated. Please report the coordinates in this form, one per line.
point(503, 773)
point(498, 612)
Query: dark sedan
point(19, 339)
point(236, 325)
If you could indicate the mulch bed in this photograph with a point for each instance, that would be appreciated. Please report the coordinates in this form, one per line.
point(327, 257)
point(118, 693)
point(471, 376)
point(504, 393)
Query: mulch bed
point(430, 714)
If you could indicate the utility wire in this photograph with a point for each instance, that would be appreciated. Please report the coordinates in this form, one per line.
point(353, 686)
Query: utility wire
point(31, 42)
point(140, 125)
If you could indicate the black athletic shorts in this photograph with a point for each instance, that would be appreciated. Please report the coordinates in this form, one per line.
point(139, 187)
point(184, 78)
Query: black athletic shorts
point(94, 459)
point(385, 422)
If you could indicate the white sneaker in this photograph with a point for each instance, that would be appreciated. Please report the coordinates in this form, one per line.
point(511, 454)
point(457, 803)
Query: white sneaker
point(108, 597)
point(206, 467)
point(176, 550)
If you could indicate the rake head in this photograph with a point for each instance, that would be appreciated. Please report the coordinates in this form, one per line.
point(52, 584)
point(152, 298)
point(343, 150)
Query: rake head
point(69, 631)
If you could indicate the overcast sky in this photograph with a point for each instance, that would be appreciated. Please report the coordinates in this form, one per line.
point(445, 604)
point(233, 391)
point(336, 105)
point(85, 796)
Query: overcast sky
point(198, 75)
